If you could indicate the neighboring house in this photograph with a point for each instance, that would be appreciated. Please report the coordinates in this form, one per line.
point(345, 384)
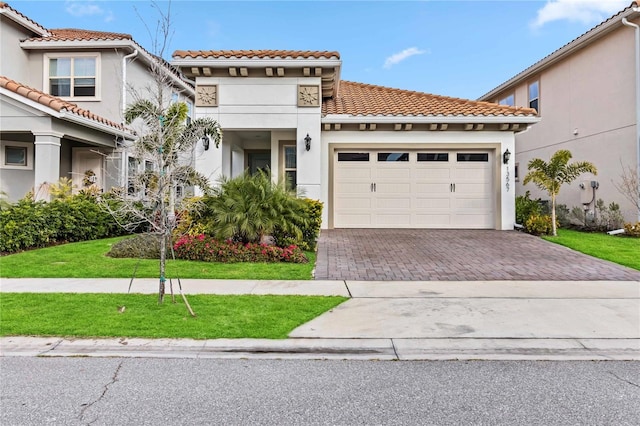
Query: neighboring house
point(62, 97)
point(586, 95)
point(376, 157)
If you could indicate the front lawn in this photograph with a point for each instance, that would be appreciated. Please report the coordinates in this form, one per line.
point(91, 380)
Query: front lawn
point(97, 315)
point(622, 250)
point(87, 259)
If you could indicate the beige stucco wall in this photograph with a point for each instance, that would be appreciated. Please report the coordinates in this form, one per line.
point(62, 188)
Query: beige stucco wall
point(587, 105)
point(14, 61)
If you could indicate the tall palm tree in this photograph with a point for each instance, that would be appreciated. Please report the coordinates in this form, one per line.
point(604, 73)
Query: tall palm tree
point(552, 175)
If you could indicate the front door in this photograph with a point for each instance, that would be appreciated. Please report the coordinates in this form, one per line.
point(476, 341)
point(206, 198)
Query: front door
point(87, 169)
point(259, 160)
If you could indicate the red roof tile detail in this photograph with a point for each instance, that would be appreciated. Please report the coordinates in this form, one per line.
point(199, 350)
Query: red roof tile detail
point(74, 34)
point(4, 5)
point(367, 100)
point(260, 54)
point(53, 102)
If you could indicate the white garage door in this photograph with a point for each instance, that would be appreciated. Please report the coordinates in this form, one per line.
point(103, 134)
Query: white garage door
point(413, 189)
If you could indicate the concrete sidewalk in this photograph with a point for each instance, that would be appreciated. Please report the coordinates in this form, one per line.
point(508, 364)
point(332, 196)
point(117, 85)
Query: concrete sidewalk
point(540, 320)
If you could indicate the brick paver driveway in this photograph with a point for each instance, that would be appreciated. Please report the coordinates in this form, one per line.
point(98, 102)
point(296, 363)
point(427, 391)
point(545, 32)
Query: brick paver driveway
point(454, 255)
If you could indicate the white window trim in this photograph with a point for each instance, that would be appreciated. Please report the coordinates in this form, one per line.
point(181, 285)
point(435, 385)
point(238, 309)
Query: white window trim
point(97, 56)
point(30, 158)
point(537, 98)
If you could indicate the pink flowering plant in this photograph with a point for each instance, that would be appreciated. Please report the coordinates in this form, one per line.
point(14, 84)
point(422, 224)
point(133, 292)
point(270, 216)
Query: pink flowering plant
point(208, 249)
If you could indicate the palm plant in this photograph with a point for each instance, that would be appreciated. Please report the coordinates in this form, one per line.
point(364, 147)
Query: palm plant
point(167, 141)
point(250, 207)
point(552, 175)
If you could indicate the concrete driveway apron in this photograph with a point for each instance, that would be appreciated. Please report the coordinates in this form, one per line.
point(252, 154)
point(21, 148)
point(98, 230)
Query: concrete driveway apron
point(455, 255)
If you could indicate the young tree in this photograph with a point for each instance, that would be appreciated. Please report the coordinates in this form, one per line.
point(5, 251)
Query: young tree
point(629, 186)
point(552, 175)
point(166, 143)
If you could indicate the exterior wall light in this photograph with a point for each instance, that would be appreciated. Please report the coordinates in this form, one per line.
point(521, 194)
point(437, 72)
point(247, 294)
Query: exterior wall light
point(307, 142)
point(506, 156)
point(205, 142)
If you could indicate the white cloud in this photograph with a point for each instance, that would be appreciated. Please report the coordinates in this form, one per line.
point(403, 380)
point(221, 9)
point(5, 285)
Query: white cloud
point(583, 11)
point(79, 9)
point(401, 56)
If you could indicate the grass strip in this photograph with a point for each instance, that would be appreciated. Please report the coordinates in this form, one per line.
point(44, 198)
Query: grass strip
point(88, 259)
point(97, 315)
point(619, 249)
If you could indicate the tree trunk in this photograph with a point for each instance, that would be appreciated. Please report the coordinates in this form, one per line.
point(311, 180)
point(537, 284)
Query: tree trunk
point(553, 215)
point(163, 258)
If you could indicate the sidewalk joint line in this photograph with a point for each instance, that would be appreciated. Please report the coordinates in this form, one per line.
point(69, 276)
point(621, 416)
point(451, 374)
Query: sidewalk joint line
point(395, 351)
point(347, 287)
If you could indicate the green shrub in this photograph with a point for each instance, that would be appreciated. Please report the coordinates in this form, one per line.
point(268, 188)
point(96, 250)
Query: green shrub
point(207, 249)
point(539, 225)
point(526, 207)
point(141, 246)
point(632, 230)
point(601, 219)
point(310, 228)
point(250, 207)
point(30, 224)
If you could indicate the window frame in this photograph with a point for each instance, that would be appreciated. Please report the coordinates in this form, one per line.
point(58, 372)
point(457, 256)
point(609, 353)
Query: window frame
point(504, 99)
point(29, 158)
point(286, 169)
point(73, 55)
point(530, 100)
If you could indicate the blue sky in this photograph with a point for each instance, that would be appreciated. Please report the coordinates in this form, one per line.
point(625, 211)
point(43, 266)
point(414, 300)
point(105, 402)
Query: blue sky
point(452, 48)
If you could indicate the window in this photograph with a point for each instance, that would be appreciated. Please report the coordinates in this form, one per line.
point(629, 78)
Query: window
point(517, 172)
point(509, 100)
point(17, 155)
point(393, 156)
point(72, 76)
point(433, 156)
point(534, 96)
point(290, 166)
point(353, 156)
point(475, 157)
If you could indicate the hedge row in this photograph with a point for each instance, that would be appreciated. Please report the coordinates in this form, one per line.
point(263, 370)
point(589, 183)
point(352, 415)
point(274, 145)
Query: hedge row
point(32, 224)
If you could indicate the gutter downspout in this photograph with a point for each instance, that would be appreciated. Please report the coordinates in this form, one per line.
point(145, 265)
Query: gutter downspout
point(637, 31)
point(123, 151)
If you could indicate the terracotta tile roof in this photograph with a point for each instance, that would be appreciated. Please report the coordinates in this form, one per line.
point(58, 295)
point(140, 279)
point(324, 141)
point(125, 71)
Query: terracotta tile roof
point(53, 102)
point(4, 5)
point(74, 34)
point(260, 54)
point(367, 100)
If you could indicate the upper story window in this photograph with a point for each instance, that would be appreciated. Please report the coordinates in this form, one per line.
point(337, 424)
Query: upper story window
point(508, 100)
point(72, 75)
point(534, 95)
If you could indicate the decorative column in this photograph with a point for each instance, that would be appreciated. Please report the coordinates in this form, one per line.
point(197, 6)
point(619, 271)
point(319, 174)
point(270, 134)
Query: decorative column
point(47, 162)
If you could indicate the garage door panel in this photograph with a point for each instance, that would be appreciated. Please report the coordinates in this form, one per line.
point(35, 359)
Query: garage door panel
point(393, 203)
point(433, 203)
point(422, 192)
point(393, 219)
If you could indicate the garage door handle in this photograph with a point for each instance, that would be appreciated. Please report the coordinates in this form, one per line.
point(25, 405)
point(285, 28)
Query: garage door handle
point(371, 187)
point(454, 187)
point(450, 187)
point(375, 189)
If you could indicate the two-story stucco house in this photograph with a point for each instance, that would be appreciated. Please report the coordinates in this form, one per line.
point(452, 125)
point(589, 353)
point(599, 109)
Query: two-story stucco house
point(376, 157)
point(588, 97)
point(62, 97)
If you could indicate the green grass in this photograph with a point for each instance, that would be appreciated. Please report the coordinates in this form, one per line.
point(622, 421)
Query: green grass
point(96, 315)
point(88, 260)
point(622, 250)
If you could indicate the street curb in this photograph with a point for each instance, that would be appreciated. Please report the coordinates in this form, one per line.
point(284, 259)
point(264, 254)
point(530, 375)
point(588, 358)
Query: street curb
point(326, 349)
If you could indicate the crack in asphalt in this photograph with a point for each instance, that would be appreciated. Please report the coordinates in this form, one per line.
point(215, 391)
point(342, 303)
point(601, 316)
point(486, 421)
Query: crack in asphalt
point(623, 380)
point(105, 389)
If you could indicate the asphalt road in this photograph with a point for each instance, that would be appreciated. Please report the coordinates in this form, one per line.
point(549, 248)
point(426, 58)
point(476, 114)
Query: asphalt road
point(110, 391)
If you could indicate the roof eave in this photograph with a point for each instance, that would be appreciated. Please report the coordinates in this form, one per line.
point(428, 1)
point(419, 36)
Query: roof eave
point(253, 62)
point(428, 119)
point(568, 49)
point(24, 22)
point(68, 116)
